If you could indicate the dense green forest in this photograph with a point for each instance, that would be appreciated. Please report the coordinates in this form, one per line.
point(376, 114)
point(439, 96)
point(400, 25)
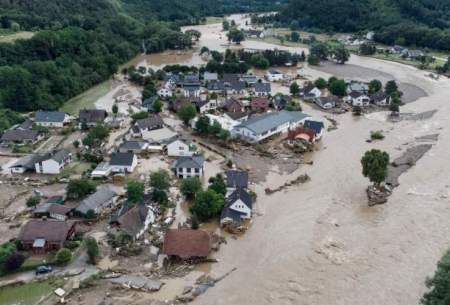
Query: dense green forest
point(81, 43)
point(422, 23)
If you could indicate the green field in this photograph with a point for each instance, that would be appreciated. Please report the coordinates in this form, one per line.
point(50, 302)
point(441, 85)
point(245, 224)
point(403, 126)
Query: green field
point(86, 99)
point(8, 36)
point(213, 20)
point(27, 294)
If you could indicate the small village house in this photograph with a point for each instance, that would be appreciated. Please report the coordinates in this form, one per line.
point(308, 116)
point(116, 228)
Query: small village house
point(51, 118)
point(44, 235)
point(249, 78)
point(102, 170)
point(259, 104)
point(53, 162)
point(210, 76)
point(238, 207)
point(280, 101)
point(236, 179)
point(133, 219)
point(356, 98)
point(274, 75)
point(51, 210)
point(233, 105)
point(181, 148)
point(310, 92)
point(317, 126)
point(135, 147)
point(91, 117)
point(25, 164)
point(104, 197)
point(262, 127)
point(123, 162)
point(186, 244)
point(262, 89)
point(380, 98)
point(185, 167)
point(327, 102)
point(355, 86)
point(19, 136)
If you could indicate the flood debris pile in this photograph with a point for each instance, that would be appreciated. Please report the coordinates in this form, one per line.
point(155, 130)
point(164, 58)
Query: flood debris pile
point(137, 282)
point(300, 179)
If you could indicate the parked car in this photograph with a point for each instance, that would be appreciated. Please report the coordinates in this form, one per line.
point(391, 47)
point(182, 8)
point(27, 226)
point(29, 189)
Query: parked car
point(43, 270)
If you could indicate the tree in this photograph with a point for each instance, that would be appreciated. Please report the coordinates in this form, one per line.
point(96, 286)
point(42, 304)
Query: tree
point(391, 87)
point(321, 83)
point(160, 196)
point(202, 124)
point(225, 25)
point(115, 109)
point(92, 249)
point(341, 54)
point(294, 89)
point(375, 164)
point(33, 201)
point(79, 188)
point(76, 144)
point(236, 36)
point(438, 286)
point(259, 61)
point(313, 60)
point(214, 128)
point(217, 56)
point(295, 36)
point(367, 48)
point(194, 34)
point(190, 186)
point(14, 261)
point(224, 135)
point(63, 256)
point(207, 204)
point(135, 191)
point(320, 50)
point(217, 184)
point(96, 135)
point(186, 113)
point(160, 180)
point(338, 87)
point(157, 106)
point(149, 90)
point(204, 50)
point(374, 86)
point(6, 250)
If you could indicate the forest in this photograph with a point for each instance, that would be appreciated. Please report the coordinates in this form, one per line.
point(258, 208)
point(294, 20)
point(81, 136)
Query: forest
point(78, 44)
point(421, 23)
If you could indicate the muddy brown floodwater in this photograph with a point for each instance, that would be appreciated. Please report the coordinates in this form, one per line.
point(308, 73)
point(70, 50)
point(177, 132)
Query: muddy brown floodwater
point(319, 242)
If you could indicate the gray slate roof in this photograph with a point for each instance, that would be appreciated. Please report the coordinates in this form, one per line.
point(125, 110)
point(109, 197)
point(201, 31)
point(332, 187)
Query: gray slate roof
point(150, 123)
point(237, 179)
point(122, 159)
point(18, 135)
point(92, 115)
point(50, 116)
point(132, 145)
point(97, 200)
point(27, 162)
point(189, 162)
point(262, 87)
point(271, 120)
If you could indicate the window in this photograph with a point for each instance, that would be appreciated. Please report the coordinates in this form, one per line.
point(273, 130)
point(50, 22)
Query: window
point(197, 170)
point(188, 170)
point(181, 148)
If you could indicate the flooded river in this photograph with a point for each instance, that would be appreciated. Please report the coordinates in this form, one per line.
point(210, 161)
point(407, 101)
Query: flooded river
point(319, 242)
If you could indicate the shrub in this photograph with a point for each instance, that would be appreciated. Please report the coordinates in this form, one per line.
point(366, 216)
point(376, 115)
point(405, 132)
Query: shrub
point(377, 135)
point(14, 261)
point(63, 256)
point(92, 249)
point(33, 201)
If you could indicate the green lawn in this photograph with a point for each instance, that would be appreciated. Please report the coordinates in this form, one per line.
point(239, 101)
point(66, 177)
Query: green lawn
point(86, 99)
point(8, 36)
point(75, 168)
point(27, 294)
point(213, 20)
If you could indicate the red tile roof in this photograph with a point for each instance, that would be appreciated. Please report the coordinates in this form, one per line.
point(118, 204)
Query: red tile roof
point(186, 243)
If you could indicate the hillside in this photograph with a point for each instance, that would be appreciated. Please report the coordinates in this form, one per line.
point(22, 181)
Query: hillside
point(424, 23)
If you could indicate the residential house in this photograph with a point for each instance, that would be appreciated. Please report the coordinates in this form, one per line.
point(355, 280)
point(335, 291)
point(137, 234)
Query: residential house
point(133, 219)
point(175, 105)
point(203, 106)
point(249, 79)
point(102, 170)
point(165, 92)
point(136, 147)
point(191, 85)
point(302, 134)
point(262, 89)
point(238, 207)
point(216, 87)
point(123, 162)
point(236, 116)
point(280, 101)
point(210, 76)
point(235, 87)
point(143, 126)
point(317, 126)
point(264, 126)
point(181, 148)
point(356, 98)
point(233, 105)
point(327, 102)
point(236, 179)
point(355, 86)
point(51, 210)
point(103, 198)
point(380, 98)
point(53, 162)
point(186, 243)
point(259, 104)
point(274, 75)
point(44, 235)
point(225, 120)
point(51, 118)
point(25, 164)
point(310, 92)
point(185, 167)
point(148, 103)
point(252, 33)
point(413, 54)
point(91, 117)
point(25, 125)
point(19, 136)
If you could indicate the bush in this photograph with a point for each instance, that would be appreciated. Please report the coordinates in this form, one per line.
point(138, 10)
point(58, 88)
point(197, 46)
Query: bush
point(63, 256)
point(207, 204)
point(14, 261)
point(33, 201)
point(79, 188)
point(190, 186)
point(72, 244)
point(377, 135)
point(92, 249)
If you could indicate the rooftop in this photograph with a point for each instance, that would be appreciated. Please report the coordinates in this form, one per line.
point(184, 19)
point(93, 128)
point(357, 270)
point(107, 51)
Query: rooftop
point(50, 116)
point(48, 229)
point(266, 122)
point(186, 243)
point(122, 159)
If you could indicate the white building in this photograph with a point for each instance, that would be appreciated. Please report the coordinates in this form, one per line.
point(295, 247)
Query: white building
point(274, 76)
point(181, 148)
point(165, 92)
point(51, 118)
point(53, 162)
point(358, 99)
point(225, 121)
point(185, 167)
point(261, 127)
point(123, 162)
